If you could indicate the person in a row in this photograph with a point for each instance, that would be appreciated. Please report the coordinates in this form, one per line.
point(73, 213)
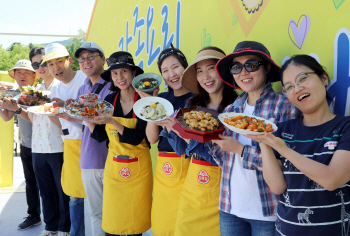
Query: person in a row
point(307, 161)
point(128, 179)
point(198, 211)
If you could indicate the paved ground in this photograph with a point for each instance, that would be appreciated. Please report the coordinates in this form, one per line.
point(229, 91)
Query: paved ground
point(13, 208)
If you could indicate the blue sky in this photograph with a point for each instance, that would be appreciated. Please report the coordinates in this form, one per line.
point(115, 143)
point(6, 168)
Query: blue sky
point(42, 17)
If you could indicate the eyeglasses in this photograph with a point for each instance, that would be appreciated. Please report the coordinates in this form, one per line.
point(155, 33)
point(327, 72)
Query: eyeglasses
point(300, 81)
point(120, 60)
point(90, 57)
point(250, 66)
point(36, 65)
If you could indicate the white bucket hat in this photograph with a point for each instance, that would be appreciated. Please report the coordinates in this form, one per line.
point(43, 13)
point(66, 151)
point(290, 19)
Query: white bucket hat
point(22, 64)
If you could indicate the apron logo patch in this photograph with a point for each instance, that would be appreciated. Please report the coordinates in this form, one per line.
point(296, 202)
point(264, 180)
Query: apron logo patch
point(331, 145)
point(125, 172)
point(167, 168)
point(203, 177)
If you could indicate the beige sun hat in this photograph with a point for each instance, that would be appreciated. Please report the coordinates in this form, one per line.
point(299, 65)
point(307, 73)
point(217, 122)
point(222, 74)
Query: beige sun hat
point(22, 64)
point(55, 50)
point(189, 77)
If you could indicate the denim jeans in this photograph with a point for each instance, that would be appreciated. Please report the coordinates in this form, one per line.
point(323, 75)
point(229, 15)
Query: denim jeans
point(76, 210)
point(231, 225)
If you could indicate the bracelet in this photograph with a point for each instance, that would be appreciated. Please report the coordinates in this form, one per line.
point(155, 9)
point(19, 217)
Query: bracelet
point(243, 151)
point(18, 111)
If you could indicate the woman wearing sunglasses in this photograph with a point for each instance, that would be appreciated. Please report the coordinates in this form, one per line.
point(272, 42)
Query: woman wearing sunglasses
point(247, 205)
point(127, 190)
point(198, 212)
point(310, 164)
point(171, 169)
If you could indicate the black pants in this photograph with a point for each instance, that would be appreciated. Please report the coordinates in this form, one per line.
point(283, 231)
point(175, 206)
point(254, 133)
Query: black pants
point(48, 168)
point(32, 190)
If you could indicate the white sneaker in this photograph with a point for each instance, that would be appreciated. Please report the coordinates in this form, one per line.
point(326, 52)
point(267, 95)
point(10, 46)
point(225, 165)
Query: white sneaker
point(60, 233)
point(48, 233)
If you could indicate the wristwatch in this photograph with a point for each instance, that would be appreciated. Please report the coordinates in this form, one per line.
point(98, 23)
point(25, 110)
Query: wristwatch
point(18, 111)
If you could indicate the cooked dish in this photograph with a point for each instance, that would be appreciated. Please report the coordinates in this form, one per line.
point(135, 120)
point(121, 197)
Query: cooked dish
point(146, 83)
point(199, 120)
point(249, 123)
point(153, 111)
point(32, 97)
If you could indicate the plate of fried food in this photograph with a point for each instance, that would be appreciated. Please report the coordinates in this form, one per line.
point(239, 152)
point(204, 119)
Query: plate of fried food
point(48, 109)
point(88, 111)
point(153, 108)
point(198, 123)
point(243, 124)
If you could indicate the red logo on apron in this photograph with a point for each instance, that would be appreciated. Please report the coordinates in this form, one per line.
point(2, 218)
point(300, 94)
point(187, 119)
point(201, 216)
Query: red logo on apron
point(125, 172)
point(167, 168)
point(203, 177)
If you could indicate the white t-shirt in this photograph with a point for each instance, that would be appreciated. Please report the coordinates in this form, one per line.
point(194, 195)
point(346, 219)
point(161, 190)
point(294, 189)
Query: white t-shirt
point(67, 91)
point(46, 136)
point(245, 196)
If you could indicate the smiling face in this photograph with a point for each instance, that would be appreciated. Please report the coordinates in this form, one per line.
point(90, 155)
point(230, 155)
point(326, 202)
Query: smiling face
point(59, 67)
point(24, 77)
point(172, 71)
point(309, 96)
point(207, 76)
point(43, 72)
point(122, 77)
point(94, 67)
point(250, 81)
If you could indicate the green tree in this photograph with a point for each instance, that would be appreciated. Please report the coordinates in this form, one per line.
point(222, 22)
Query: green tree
point(76, 43)
point(9, 57)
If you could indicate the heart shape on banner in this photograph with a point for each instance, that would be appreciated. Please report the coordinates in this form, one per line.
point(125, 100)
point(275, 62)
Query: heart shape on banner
point(337, 3)
point(206, 39)
point(299, 31)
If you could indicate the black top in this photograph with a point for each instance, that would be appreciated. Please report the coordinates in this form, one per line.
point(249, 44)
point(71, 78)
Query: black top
point(178, 102)
point(130, 136)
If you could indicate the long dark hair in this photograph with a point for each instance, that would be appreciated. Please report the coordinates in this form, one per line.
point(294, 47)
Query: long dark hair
point(309, 62)
point(175, 53)
point(202, 99)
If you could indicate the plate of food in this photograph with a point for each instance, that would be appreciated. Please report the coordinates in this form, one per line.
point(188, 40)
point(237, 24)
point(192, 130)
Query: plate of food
point(147, 82)
point(8, 85)
point(48, 109)
point(153, 108)
point(244, 124)
point(88, 111)
point(32, 97)
point(8, 94)
point(198, 123)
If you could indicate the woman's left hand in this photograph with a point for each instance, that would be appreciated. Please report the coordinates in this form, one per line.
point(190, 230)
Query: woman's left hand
point(101, 120)
point(268, 139)
point(168, 123)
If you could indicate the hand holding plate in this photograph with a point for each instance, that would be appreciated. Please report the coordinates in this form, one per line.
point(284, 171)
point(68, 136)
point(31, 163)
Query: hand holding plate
point(229, 144)
point(101, 120)
point(9, 105)
point(268, 139)
point(58, 101)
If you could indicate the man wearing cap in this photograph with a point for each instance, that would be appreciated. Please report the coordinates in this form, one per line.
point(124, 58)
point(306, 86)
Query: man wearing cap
point(24, 75)
point(60, 66)
point(47, 149)
point(93, 154)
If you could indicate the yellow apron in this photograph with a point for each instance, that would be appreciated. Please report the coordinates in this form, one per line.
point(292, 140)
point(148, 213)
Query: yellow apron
point(127, 187)
point(171, 171)
point(198, 212)
point(71, 181)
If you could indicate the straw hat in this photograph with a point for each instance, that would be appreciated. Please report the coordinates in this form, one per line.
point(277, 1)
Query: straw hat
point(189, 77)
point(25, 65)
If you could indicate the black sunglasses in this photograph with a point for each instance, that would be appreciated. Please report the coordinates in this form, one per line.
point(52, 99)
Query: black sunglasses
point(120, 60)
point(36, 65)
point(250, 66)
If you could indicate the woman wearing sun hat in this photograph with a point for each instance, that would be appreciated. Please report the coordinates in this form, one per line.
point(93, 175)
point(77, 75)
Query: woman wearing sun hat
point(247, 205)
point(198, 212)
point(127, 190)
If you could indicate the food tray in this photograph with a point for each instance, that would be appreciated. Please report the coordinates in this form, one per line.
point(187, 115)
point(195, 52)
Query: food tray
point(76, 112)
point(200, 136)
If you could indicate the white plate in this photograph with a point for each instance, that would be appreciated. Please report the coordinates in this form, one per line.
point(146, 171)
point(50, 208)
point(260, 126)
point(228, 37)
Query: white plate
point(140, 104)
point(223, 116)
point(14, 85)
point(35, 111)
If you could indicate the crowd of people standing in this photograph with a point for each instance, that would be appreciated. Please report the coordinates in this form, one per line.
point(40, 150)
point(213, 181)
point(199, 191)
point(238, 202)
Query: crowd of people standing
point(295, 181)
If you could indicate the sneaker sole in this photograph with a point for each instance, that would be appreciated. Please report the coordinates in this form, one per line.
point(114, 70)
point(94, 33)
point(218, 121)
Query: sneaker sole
point(39, 223)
